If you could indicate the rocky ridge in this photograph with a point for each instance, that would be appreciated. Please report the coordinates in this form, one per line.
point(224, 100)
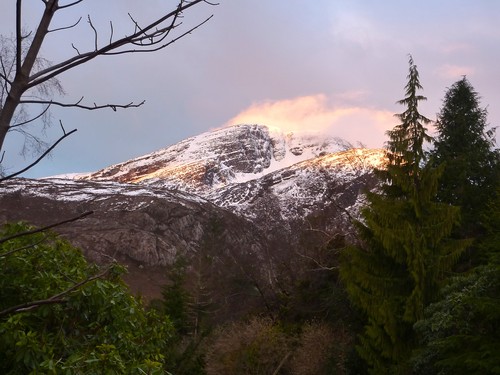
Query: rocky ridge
point(244, 193)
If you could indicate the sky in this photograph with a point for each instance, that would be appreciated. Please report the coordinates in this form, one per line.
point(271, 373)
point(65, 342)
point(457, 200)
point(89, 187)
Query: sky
point(331, 66)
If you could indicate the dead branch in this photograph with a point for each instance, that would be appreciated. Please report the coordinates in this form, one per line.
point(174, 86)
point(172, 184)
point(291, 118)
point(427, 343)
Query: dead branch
point(69, 5)
point(81, 106)
point(32, 119)
point(146, 37)
point(156, 42)
point(111, 32)
point(27, 75)
point(96, 44)
point(65, 27)
point(39, 158)
point(43, 229)
point(320, 267)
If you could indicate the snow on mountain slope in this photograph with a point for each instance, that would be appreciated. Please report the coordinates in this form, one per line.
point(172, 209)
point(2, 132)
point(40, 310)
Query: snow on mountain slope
point(257, 172)
point(218, 158)
point(305, 187)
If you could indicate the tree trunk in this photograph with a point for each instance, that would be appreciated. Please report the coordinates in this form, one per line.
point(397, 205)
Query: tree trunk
point(24, 67)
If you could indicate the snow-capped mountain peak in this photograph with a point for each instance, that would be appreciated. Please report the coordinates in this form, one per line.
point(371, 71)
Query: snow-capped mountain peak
point(221, 157)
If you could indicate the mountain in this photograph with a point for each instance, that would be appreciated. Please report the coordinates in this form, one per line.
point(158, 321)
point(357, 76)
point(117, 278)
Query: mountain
point(143, 228)
point(215, 159)
point(238, 202)
point(256, 171)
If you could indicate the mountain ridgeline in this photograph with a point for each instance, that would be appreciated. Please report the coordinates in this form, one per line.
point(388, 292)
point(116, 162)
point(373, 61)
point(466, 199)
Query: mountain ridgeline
point(246, 196)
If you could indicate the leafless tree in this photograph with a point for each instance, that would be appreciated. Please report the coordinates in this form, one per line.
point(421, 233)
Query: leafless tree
point(28, 79)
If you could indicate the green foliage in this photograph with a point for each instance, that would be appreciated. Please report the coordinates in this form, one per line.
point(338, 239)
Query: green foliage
point(461, 333)
point(406, 140)
point(186, 356)
point(466, 147)
point(83, 324)
point(176, 299)
point(406, 251)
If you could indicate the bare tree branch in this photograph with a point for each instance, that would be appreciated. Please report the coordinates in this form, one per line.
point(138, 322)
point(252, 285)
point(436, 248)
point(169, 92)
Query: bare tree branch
point(161, 46)
point(81, 106)
point(39, 158)
point(28, 72)
point(3, 75)
point(76, 49)
point(70, 5)
point(19, 37)
point(43, 229)
point(32, 119)
point(65, 27)
point(111, 31)
point(143, 34)
point(89, 21)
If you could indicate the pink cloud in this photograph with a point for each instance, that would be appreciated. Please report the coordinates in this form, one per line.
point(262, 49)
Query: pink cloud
point(315, 113)
point(449, 71)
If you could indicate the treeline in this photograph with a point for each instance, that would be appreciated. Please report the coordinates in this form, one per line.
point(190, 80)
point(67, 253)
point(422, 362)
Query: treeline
point(416, 293)
point(426, 275)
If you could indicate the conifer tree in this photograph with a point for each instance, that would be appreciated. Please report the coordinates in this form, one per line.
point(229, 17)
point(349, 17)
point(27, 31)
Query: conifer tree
point(405, 251)
point(461, 332)
point(472, 166)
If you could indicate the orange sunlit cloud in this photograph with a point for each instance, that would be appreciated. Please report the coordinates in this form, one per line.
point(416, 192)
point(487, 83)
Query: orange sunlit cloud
point(315, 114)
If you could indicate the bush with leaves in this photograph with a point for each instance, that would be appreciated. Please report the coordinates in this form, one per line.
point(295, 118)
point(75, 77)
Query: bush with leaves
point(59, 314)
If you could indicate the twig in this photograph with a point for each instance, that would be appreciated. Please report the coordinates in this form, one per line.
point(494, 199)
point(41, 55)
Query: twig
point(69, 5)
point(89, 21)
point(32, 119)
point(281, 363)
point(39, 159)
point(65, 27)
point(50, 226)
point(81, 106)
point(144, 34)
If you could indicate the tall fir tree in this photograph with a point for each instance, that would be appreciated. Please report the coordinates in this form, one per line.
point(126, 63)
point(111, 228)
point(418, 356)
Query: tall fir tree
point(406, 250)
point(466, 147)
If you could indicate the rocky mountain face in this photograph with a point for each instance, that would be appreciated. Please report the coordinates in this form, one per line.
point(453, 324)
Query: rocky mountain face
point(143, 228)
point(257, 172)
point(234, 201)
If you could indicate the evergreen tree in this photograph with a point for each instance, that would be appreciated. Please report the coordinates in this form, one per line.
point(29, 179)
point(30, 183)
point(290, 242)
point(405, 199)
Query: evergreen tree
point(461, 332)
point(406, 251)
point(464, 145)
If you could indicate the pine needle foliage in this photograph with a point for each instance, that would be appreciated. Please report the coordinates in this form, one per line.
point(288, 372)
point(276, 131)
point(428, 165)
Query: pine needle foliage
point(406, 251)
point(466, 147)
point(461, 332)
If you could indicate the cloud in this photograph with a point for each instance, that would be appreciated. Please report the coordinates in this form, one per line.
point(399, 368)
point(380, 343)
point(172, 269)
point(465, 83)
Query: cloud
point(449, 71)
point(457, 47)
point(315, 113)
point(353, 28)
